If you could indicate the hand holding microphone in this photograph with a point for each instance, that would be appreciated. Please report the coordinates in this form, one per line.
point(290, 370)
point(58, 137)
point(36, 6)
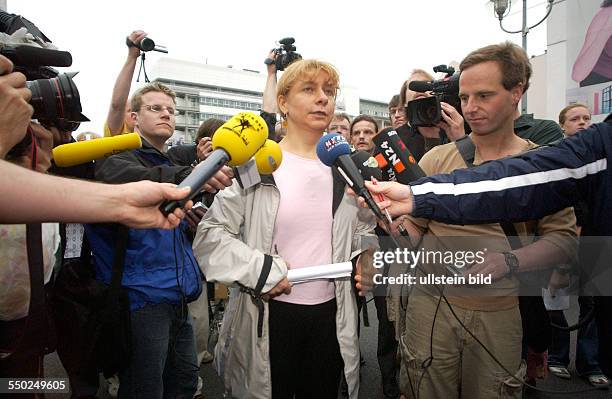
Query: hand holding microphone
point(395, 155)
point(234, 143)
point(334, 151)
point(368, 167)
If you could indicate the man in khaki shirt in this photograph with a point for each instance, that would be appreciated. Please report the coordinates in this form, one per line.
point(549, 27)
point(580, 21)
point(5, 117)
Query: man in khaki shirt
point(493, 79)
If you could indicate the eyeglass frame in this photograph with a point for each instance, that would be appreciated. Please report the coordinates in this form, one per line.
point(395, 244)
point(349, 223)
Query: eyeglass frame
point(162, 108)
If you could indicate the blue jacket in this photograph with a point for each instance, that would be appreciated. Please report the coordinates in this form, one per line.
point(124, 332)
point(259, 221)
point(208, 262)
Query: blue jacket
point(528, 186)
point(159, 264)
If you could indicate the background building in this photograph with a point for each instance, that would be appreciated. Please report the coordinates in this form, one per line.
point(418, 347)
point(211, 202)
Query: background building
point(557, 78)
point(207, 91)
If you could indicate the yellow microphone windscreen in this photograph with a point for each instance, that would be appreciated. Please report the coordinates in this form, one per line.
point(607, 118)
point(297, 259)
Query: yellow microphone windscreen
point(86, 151)
point(241, 136)
point(269, 157)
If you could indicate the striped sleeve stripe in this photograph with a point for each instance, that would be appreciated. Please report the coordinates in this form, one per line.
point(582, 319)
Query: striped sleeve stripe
point(509, 182)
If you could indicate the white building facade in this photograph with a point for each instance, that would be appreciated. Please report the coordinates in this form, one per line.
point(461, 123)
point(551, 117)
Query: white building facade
point(207, 91)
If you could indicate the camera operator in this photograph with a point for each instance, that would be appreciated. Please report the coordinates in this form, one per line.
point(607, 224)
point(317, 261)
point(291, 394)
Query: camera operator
point(118, 120)
point(15, 111)
point(450, 126)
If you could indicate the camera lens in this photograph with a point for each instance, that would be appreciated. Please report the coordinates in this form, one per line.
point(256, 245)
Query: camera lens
point(56, 101)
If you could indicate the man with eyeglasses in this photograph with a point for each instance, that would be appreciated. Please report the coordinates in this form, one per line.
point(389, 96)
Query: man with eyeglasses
point(341, 123)
point(160, 273)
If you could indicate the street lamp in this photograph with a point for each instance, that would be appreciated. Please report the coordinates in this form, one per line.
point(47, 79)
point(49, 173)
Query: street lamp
point(502, 9)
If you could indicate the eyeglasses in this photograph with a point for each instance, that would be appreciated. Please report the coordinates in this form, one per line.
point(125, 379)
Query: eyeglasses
point(160, 108)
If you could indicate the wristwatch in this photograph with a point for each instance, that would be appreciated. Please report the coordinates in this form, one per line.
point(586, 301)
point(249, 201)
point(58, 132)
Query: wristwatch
point(512, 262)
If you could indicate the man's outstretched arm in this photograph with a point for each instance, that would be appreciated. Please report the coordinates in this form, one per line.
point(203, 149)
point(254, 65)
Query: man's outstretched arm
point(35, 197)
point(525, 187)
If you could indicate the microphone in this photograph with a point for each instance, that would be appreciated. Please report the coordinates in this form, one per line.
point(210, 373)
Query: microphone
point(420, 86)
point(86, 151)
point(269, 157)
point(394, 154)
point(367, 165)
point(334, 151)
point(33, 57)
point(234, 143)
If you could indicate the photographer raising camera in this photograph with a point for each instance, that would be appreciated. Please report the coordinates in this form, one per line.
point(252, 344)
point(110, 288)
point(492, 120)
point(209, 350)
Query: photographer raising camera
point(450, 120)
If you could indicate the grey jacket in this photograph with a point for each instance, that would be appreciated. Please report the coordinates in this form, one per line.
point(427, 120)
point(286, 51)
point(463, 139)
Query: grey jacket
point(233, 239)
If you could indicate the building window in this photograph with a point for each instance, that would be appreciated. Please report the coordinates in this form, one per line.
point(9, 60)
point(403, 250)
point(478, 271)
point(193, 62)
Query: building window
point(606, 100)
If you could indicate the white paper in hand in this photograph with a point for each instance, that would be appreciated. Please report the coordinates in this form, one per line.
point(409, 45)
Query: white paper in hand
point(334, 270)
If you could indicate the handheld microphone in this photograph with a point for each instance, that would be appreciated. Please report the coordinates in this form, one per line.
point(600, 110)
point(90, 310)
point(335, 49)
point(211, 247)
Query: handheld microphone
point(234, 143)
point(269, 157)
point(86, 151)
point(394, 154)
point(334, 151)
point(367, 165)
point(33, 57)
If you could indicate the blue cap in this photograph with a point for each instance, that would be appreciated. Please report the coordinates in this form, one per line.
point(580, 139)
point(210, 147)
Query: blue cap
point(330, 147)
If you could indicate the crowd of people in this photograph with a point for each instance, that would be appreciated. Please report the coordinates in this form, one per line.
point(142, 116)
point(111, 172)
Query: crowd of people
point(121, 289)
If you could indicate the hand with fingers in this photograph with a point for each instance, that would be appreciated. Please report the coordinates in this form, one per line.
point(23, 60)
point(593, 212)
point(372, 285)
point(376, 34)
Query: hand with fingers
point(282, 287)
point(135, 37)
point(364, 274)
point(15, 110)
point(452, 122)
point(137, 204)
point(221, 179)
point(193, 217)
point(204, 148)
point(397, 197)
point(494, 264)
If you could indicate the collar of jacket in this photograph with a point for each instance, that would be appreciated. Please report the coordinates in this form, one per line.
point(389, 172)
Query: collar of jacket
point(147, 147)
point(524, 121)
point(338, 188)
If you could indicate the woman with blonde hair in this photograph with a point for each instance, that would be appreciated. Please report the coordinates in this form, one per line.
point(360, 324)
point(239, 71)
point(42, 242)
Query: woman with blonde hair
point(293, 341)
point(574, 118)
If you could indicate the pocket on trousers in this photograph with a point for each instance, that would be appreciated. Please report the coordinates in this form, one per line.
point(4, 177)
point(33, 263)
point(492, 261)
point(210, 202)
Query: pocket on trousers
point(410, 368)
point(510, 387)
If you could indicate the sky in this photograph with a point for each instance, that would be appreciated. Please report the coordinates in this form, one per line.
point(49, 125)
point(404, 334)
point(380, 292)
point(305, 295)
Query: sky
point(374, 44)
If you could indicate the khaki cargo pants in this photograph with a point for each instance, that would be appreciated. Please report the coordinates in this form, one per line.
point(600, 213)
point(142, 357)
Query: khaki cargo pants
point(460, 367)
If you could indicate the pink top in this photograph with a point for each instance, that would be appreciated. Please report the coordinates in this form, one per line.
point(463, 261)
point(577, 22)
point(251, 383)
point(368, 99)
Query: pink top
point(303, 227)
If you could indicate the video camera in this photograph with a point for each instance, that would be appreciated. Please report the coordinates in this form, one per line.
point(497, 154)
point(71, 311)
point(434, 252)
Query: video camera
point(427, 111)
point(286, 54)
point(55, 97)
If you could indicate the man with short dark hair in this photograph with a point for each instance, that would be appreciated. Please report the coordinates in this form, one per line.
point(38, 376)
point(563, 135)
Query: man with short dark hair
point(491, 85)
point(396, 112)
point(362, 130)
